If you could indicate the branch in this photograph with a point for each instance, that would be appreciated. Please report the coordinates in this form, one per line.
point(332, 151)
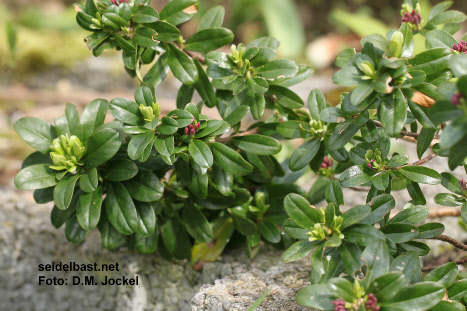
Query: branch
point(424, 160)
point(196, 56)
point(363, 189)
point(227, 138)
point(443, 212)
point(456, 243)
point(430, 268)
point(404, 133)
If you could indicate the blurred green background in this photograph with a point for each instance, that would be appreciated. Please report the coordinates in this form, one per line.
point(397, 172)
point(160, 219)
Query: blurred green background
point(44, 62)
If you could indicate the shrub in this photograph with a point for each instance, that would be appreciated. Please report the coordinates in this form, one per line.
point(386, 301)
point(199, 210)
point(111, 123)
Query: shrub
point(187, 184)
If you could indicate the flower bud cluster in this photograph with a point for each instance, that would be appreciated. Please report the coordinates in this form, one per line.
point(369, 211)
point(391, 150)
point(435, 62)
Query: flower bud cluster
point(372, 303)
point(369, 71)
point(66, 152)
point(456, 99)
point(374, 160)
point(191, 129)
point(339, 305)
point(150, 112)
point(327, 163)
point(411, 16)
point(460, 47)
point(117, 2)
point(236, 53)
point(317, 128)
point(320, 232)
point(463, 185)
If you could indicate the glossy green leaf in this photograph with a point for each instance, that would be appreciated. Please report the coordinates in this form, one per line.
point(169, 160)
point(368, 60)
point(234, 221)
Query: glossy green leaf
point(179, 11)
point(119, 170)
point(230, 160)
point(445, 274)
point(126, 111)
point(362, 235)
point(176, 239)
point(93, 116)
point(214, 17)
point(73, 231)
point(430, 230)
point(88, 211)
point(200, 153)
point(386, 286)
point(36, 176)
point(298, 250)
point(209, 39)
point(431, 61)
point(355, 176)
point(63, 191)
point(301, 212)
point(120, 209)
point(196, 224)
point(409, 265)
point(181, 65)
point(286, 97)
point(38, 133)
point(138, 144)
point(278, 68)
point(355, 215)
point(303, 155)
point(421, 174)
point(257, 144)
point(145, 186)
point(316, 103)
point(394, 113)
point(144, 15)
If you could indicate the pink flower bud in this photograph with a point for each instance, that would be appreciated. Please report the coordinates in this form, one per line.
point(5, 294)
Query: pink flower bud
point(456, 98)
point(186, 130)
point(413, 18)
point(460, 47)
point(462, 183)
point(197, 125)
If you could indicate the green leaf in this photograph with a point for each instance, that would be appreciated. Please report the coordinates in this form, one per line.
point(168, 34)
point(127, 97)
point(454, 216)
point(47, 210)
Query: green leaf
point(145, 186)
point(286, 97)
point(420, 115)
point(204, 87)
point(244, 225)
point(362, 234)
point(196, 224)
point(294, 231)
point(355, 215)
point(431, 61)
point(73, 231)
point(264, 55)
point(334, 193)
point(120, 209)
point(451, 183)
point(345, 131)
point(415, 192)
point(348, 76)
point(176, 239)
point(165, 32)
point(211, 127)
point(445, 274)
point(63, 192)
point(36, 176)
point(298, 250)
point(421, 174)
point(447, 17)
point(257, 104)
point(58, 217)
point(38, 133)
point(93, 116)
point(351, 257)
point(417, 297)
point(111, 238)
point(393, 113)
point(409, 265)
point(182, 117)
point(179, 11)
point(301, 212)
point(316, 103)
point(381, 181)
point(119, 170)
point(400, 233)
point(257, 85)
point(438, 38)
point(448, 199)
point(209, 39)
point(408, 46)
point(214, 17)
point(257, 144)
point(448, 305)
point(453, 133)
point(164, 145)
point(355, 176)
point(284, 68)
point(88, 211)
point(144, 15)
point(146, 219)
point(386, 286)
point(138, 144)
point(42, 196)
point(200, 153)
point(303, 155)
point(126, 111)
point(230, 160)
point(237, 115)
point(199, 185)
point(168, 126)
point(424, 140)
point(458, 290)
point(377, 259)
point(269, 231)
point(411, 215)
point(73, 121)
point(430, 230)
point(181, 65)
point(380, 206)
point(126, 46)
point(318, 296)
